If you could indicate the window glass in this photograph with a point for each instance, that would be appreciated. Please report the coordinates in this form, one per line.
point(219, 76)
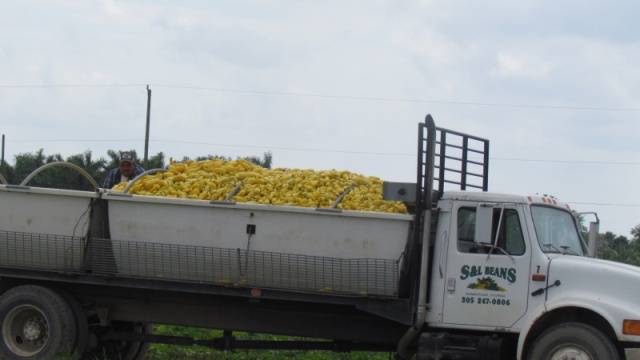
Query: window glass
point(556, 231)
point(506, 229)
point(514, 241)
point(466, 229)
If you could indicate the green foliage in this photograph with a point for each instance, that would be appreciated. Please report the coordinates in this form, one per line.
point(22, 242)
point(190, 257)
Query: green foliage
point(635, 231)
point(155, 162)
point(62, 177)
point(26, 163)
point(619, 248)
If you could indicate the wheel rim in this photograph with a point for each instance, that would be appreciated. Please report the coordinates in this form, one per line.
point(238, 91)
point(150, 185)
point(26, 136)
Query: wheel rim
point(570, 352)
point(25, 330)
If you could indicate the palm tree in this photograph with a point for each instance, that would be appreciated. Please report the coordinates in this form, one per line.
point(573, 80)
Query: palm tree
point(156, 161)
point(627, 255)
point(96, 169)
point(26, 163)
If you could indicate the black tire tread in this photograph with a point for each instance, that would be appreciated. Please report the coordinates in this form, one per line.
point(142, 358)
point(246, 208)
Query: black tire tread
point(62, 326)
point(82, 326)
point(591, 339)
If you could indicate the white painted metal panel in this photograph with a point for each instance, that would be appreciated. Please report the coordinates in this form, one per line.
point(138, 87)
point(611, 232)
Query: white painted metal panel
point(43, 228)
point(45, 211)
point(279, 229)
point(293, 248)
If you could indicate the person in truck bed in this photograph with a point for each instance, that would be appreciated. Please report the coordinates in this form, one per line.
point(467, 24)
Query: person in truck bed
point(126, 171)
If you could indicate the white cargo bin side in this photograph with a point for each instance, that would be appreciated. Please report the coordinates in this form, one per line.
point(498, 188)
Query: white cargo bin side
point(291, 247)
point(45, 228)
point(45, 211)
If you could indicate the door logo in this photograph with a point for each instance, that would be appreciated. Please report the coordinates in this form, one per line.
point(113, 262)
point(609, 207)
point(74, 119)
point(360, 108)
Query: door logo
point(486, 283)
point(472, 271)
point(483, 288)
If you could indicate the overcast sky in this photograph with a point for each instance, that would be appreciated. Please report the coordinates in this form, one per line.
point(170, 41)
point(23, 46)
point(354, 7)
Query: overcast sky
point(338, 85)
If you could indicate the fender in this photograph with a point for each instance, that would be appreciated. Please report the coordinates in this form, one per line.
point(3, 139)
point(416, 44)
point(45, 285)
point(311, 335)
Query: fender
point(568, 301)
point(603, 287)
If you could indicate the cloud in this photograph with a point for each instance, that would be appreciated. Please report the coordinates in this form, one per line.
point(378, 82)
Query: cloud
point(335, 84)
point(111, 8)
point(511, 65)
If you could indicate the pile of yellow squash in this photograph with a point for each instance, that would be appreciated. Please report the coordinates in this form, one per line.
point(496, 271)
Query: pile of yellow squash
point(245, 182)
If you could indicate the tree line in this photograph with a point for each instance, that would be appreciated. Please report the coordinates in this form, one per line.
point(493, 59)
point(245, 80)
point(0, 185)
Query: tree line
point(61, 177)
point(620, 248)
point(610, 246)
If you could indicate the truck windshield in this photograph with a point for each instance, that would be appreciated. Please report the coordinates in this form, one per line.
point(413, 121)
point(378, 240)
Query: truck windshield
point(556, 231)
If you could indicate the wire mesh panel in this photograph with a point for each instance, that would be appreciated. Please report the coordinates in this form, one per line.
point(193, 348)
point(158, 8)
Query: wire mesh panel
point(41, 251)
point(239, 267)
point(310, 273)
point(155, 260)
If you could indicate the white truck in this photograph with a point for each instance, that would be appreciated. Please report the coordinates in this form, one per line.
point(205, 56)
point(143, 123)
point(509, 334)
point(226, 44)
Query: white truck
point(465, 275)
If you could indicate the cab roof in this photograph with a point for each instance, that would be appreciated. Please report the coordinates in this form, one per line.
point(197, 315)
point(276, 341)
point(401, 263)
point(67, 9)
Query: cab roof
point(479, 196)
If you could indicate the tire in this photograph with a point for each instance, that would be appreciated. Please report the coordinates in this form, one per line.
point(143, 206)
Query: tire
point(82, 326)
point(144, 347)
point(573, 341)
point(36, 322)
point(118, 349)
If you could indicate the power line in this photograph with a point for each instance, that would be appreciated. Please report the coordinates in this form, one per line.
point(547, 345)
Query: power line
point(327, 96)
point(68, 86)
point(321, 150)
point(601, 204)
point(74, 140)
point(395, 99)
point(568, 161)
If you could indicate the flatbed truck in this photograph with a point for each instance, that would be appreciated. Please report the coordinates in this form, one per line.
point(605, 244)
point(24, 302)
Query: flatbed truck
point(466, 274)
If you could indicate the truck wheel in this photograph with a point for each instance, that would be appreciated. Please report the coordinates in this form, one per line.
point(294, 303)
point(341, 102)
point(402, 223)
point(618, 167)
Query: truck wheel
point(120, 349)
point(82, 326)
point(36, 323)
point(143, 348)
point(573, 341)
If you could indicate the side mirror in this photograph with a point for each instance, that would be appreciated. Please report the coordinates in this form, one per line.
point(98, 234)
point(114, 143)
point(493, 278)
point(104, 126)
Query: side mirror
point(484, 223)
point(594, 230)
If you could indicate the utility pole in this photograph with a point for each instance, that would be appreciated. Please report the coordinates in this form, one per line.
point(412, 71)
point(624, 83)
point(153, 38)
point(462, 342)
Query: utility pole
point(146, 139)
point(2, 159)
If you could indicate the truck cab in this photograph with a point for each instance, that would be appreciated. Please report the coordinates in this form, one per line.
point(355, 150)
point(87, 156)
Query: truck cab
point(511, 276)
point(518, 265)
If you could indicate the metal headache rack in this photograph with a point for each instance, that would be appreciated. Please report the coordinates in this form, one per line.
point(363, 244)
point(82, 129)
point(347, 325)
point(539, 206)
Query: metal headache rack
point(461, 160)
point(447, 157)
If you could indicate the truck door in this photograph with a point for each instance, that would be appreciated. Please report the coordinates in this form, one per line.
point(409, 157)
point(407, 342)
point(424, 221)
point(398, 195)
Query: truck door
point(487, 267)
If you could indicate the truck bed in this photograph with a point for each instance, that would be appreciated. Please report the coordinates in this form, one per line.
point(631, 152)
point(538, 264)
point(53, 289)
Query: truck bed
point(246, 245)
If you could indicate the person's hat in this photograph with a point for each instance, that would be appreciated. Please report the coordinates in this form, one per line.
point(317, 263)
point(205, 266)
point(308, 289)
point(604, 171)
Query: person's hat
point(126, 156)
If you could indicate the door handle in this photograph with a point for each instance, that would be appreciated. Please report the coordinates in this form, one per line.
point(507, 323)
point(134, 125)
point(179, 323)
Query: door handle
point(444, 236)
